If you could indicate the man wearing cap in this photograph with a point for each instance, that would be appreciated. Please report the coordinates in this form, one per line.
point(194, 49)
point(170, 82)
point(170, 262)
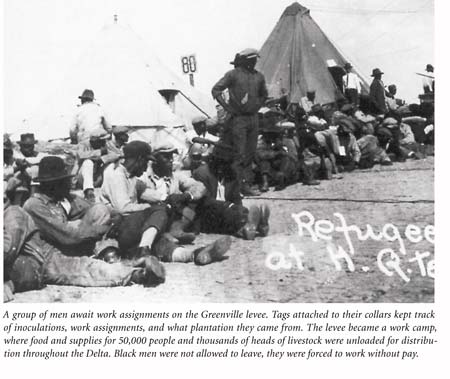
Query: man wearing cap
point(29, 262)
point(94, 155)
point(88, 117)
point(203, 145)
point(352, 85)
point(248, 93)
point(377, 92)
point(341, 146)
point(141, 232)
point(67, 222)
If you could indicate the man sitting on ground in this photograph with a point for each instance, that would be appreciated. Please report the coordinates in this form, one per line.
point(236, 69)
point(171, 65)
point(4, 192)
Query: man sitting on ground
point(94, 155)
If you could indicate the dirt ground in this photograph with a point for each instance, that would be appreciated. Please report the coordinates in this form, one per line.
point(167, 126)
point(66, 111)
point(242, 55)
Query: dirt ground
point(401, 194)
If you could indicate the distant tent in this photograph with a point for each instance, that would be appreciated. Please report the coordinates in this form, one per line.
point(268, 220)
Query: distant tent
point(126, 78)
point(296, 58)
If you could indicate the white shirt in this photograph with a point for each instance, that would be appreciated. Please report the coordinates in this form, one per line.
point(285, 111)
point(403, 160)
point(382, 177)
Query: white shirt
point(351, 81)
point(88, 117)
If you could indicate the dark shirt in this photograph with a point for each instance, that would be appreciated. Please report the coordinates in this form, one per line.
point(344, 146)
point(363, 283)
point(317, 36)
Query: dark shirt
point(247, 90)
point(378, 95)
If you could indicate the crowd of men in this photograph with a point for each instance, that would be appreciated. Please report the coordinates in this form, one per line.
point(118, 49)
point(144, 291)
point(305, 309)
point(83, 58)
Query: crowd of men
point(126, 208)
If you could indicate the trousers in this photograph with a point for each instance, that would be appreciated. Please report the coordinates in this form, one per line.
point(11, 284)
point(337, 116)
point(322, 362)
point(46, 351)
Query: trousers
point(30, 262)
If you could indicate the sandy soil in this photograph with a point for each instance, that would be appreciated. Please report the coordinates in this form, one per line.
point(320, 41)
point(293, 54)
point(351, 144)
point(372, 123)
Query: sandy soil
point(401, 194)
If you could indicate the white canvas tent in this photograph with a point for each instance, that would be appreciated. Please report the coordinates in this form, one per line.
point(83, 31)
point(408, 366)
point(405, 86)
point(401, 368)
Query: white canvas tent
point(126, 78)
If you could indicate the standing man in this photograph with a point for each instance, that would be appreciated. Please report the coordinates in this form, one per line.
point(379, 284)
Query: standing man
point(247, 91)
point(89, 116)
point(428, 80)
point(352, 85)
point(377, 92)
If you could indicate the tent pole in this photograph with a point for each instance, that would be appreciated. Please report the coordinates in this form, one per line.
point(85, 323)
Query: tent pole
point(195, 105)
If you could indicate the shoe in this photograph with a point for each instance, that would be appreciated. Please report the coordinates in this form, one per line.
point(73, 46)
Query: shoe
point(253, 220)
point(246, 190)
point(265, 183)
point(386, 163)
point(89, 195)
point(152, 273)
point(263, 226)
point(213, 252)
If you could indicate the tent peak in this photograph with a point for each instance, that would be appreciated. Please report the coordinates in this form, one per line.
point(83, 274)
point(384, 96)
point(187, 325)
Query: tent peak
point(294, 9)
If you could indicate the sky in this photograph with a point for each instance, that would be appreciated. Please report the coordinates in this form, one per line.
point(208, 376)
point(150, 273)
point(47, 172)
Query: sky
point(43, 39)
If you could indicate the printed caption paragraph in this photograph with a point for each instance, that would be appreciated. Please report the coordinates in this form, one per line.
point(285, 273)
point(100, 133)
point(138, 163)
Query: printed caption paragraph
point(236, 333)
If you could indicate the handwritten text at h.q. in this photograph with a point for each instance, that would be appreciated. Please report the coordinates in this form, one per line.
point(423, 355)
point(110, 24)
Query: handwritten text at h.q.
point(388, 261)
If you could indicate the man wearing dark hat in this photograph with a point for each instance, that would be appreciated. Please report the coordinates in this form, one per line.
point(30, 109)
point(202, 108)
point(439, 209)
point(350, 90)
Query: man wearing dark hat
point(377, 92)
point(248, 93)
point(352, 85)
point(88, 117)
point(94, 155)
point(67, 222)
point(28, 155)
point(29, 262)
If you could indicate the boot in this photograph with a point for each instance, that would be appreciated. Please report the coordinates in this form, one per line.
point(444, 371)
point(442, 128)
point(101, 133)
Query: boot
point(265, 183)
point(263, 226)
point(151, 274)
point(213, 252)
point(281, 183)
point(177, 231)
point(253, 220)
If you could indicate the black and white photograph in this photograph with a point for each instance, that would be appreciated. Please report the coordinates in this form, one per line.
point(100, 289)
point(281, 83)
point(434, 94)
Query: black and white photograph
point(219, 151)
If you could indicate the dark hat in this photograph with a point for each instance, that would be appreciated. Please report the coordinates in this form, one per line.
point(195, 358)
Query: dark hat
point(376, 71)
point(316, 108)
point(311, 91)
point(87, 94)
point(271, 128)
point(27, 139)
point(137, 149)
point(348, 65)
point(347, 108)
point(51, 169)
point(236, 59)
point(346, 124)
point(7, 144)
point(429, 66)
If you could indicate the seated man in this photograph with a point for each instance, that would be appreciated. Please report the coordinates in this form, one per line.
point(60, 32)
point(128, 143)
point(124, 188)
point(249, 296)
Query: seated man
point(121, 137)
point(371, 152)
point(201, 125)
point(29, 262)
point(68, 222)
point(341, 145)
point(139, 233)
point(274, 163)
point(94, 154)
point(192, 205)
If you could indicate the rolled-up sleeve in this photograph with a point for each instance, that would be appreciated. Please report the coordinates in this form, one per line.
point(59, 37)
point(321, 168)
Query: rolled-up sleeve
point(187, 184)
